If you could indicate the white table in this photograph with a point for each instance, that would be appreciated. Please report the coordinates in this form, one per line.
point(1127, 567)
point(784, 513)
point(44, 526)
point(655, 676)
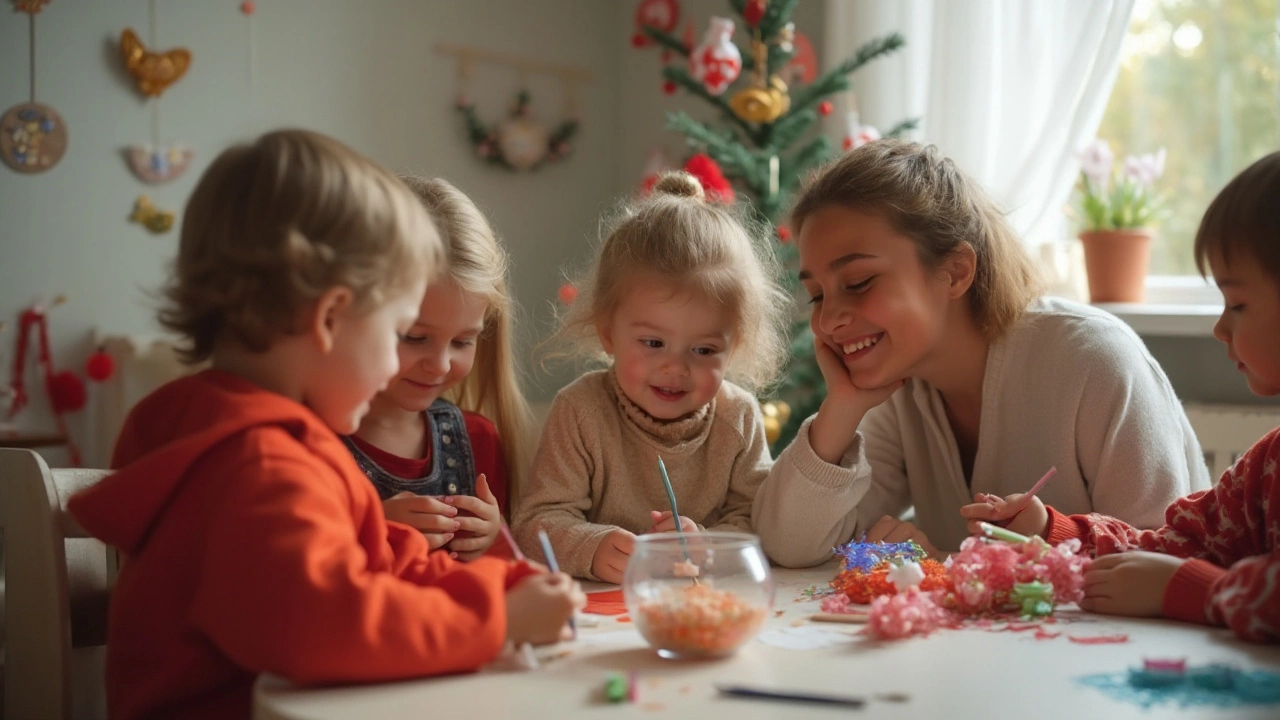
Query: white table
point(967, 673)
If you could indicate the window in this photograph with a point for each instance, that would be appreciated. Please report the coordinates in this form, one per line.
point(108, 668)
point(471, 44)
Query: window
point(1201, 78)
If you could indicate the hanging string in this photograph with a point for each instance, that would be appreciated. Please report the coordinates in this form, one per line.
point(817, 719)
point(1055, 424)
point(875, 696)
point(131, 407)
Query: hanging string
point(253, 60)
point(31, 20)
point(155, 101)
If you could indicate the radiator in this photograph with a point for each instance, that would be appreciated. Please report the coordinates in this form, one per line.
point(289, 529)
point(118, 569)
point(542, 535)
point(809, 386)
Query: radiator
point(1227, 431)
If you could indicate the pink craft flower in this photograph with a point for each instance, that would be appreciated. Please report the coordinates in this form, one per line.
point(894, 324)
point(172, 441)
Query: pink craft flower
point(893, 617)
point(1095, 162)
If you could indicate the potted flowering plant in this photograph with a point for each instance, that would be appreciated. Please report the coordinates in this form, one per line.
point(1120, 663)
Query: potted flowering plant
point(1116, 210)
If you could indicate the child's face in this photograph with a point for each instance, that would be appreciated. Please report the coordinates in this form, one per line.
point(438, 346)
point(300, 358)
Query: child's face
point(360, 361)
point(873, 303)
point(1250, 322)
point(440, 348)
point(670, 348)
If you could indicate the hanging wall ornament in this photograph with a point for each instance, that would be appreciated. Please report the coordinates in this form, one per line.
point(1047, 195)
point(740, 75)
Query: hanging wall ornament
point(248, 8)
point(64, 388)
point(148, 216)
point(717, 62)
point(33, 137)
point(155, 163)
point(661, 15)
point(520, 142)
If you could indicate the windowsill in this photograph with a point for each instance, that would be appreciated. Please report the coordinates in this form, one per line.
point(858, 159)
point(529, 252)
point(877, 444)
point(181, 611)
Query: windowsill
point(1166, 319)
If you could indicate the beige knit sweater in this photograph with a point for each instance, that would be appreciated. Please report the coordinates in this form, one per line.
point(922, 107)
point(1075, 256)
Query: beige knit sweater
point(1069, 386)
point(596, 468)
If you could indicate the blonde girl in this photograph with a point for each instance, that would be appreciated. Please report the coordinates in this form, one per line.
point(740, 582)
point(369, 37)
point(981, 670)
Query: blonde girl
point(948, 376)
point(680, 295)
point(445, 442)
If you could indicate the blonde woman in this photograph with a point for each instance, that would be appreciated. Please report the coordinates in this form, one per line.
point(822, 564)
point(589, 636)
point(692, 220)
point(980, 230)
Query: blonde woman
point(449, 467)
point(679, 297)
point(948, 377)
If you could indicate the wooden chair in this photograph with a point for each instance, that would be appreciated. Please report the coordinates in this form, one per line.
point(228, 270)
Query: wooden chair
point(57, 583)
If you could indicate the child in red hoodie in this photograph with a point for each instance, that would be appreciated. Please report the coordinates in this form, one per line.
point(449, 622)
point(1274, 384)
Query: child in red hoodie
point(1217, 558)
point(252, 541)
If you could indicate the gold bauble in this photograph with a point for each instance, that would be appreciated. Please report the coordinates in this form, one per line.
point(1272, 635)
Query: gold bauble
point(761, 105)
point(776, 413)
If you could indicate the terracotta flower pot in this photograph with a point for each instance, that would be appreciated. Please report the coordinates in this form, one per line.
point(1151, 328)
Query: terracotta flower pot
point(1116, 262)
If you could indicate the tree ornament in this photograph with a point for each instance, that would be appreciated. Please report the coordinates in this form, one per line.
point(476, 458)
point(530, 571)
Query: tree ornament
point(717, 62)
point(100, 366)
point(661, 15)
point(784, 234)
point(825, 107)
point(33, 137)
point(567, 294)
point(776, 414)
point(753, 13)
point(153, 71)
point(802, 69)
point(248, 7)
point(856, 134)
point(707, 171)
point(761, 105)
point(668, 88)
point(146, 215)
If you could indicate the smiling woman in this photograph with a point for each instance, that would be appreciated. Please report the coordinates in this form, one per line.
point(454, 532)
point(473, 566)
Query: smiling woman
point(947, 376)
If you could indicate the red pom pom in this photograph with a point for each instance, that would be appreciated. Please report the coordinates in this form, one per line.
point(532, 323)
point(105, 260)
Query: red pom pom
point(825, 107)
point(646, 186)
point(567, 293)
point(847, 145)
point(639, 40)
point(66, 392)
point(100, 366)
point(669, 88)
point(784, 233)
point(247, 7)
point(713, 181)
point(753, 12)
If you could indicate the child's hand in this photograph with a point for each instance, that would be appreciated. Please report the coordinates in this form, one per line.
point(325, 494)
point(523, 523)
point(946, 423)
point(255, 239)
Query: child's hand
point(662, 522)
point(476, 533)
point(892, 530)
point(434, 519)
point(841, 413)
point(1032, 520)
point(1129, 583)
point(539, 608)
point(610, 560)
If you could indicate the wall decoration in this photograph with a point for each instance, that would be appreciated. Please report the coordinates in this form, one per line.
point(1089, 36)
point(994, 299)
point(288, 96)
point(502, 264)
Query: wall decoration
point(33, 137)
point(154, 72)
point(248, 8)
point(147, 215)
point(663, 15)
point(521, 142)
point(65, 389)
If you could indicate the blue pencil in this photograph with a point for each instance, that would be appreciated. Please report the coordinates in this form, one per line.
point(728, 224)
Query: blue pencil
point(555, 568)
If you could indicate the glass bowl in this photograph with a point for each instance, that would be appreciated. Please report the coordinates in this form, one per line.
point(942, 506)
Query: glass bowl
point(704, 596)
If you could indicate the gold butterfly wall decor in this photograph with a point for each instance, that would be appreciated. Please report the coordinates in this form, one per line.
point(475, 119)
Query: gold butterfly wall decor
point(154, 71)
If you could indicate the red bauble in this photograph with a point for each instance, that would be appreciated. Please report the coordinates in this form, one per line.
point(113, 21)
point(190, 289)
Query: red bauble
point(66, 392)
point(669, 88)
point(100, 366)
point(639, 40)
point(784, 234)
point(847, 144)
point(825, 107)
point(247, 7)
point(567, 293)
point(714, 184)
point(753, 12)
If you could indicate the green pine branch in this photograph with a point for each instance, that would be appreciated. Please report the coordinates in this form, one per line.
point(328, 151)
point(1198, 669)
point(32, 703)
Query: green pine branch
point(681, 77)
point(787, 130)
point(810, 156)
point(776, 15)
point(734, 157)
point(902, 127)
point(837, 79)
point(667, 40)
point(778, 58)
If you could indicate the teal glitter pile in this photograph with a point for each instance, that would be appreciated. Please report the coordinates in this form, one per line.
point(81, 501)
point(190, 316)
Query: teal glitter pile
point(1220, 686)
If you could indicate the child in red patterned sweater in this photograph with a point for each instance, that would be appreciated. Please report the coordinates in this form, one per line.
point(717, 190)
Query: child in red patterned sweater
point(1217, 558)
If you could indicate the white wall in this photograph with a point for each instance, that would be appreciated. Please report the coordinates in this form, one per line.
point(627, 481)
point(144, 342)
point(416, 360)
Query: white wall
point(361, 70)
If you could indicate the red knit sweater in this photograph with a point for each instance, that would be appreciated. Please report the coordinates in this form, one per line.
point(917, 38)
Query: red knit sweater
point(1230, 535)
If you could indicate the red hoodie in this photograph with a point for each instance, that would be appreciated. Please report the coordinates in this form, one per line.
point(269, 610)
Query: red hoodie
point(254, 544)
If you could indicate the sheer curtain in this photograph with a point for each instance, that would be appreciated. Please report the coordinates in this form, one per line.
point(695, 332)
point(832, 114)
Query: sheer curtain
point(1009, 89)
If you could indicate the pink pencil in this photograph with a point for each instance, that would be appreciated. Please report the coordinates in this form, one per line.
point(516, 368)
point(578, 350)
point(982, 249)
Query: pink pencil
point(1026, 499)
point(506, 534)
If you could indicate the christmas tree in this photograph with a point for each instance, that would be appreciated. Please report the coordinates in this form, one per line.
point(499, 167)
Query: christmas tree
point(762, 121)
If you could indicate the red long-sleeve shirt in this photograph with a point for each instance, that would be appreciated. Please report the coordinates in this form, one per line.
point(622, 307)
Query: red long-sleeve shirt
point(1230, 535)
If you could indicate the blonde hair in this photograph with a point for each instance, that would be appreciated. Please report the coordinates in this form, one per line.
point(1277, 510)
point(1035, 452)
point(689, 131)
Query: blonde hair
point(274, 224)
point(702, 247)
point(924, 196)
point(478, 265)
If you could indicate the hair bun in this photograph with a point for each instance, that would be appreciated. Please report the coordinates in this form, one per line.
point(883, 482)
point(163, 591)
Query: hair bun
point(679, 183)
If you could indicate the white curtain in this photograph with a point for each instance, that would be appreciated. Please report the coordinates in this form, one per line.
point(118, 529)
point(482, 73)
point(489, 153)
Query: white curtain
point(1009, 89)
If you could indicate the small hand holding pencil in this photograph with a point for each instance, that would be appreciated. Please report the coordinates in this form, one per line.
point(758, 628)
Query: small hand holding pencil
point(1022, 513)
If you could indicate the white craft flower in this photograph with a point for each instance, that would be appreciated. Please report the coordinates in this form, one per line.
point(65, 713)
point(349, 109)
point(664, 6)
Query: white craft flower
point(907, 575)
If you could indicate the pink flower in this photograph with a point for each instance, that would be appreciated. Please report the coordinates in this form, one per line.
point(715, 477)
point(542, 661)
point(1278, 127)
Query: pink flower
point(1095, 162)
point(1145, 169)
